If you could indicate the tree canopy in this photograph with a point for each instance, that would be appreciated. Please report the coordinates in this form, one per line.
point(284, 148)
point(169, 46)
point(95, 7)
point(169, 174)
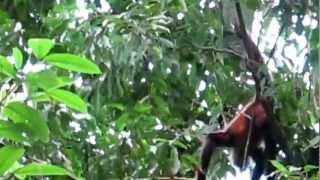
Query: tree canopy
point(127, 89)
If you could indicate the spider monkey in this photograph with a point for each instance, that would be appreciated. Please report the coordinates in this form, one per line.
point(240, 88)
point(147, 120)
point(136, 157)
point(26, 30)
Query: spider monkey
point(235, 135)
point(253, 125)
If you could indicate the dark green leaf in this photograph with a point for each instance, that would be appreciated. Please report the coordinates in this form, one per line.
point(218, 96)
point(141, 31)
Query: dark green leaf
point(122, 121)
point(253, 4)
point(40, 47)
point(8, 156)
point(6, 68)
point(68, 98)
point(73, 63)
point(17, 132)
point(21, 113)
point(142, 108)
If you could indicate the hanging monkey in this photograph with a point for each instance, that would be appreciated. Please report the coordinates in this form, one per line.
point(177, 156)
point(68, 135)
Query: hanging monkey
point(250, 127)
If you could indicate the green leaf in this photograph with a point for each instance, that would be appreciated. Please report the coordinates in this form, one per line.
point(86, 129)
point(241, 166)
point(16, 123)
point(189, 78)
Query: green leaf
point(308, 168)
point(8, 156)
point(40, 97)
point(21, 113)
point(47, 80)
point(142, 108)
point(117, 106)
point(40, 47)
point(38, 169)
point(6, 68)
point(280, 167)
point(253, 4)
point(17, 54)
point(16, 132)
point(73, 63)
point(122, 121)
point(68, 98)
point(183, 5)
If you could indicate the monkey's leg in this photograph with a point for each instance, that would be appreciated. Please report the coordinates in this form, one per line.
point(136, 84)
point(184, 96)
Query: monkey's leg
point(259, 159)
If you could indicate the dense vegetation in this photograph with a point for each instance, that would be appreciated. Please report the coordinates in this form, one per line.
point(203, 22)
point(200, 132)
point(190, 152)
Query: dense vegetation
point(127, 89)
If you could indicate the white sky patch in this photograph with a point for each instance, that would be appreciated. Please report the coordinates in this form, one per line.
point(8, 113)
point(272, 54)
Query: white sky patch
point(180, 16)
point(314, 24)
point(159, 125)
point(82, 12)
point(168, 70)
point(212, 4)
point(316, 127)
point(33, 68)
point(269, 39)
point(206, 72)
point(194, 128)
point(202, 3)
point(81, 115)
point(250, 82)
point(199, 123)
point(91, 139)
point(17, 27)
point(275, 3)
point(105, 6)
point(204, 104)
point(256, 25)
point(188, 137)
point(153, 149)
point(20, 96)
point(294, 19)
point(211, 31)
point(111, 131)
point(197, 94)
point(202, 85)
point(150, 66)
point(306, 20)
point(78, 82)
point(75, 126)
point(188, 71)
point(143, 80)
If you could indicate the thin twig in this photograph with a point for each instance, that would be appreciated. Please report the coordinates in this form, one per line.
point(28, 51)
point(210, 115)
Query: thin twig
point(11, 90)
point(217, 50)
point(248, 142)
point(275, 43)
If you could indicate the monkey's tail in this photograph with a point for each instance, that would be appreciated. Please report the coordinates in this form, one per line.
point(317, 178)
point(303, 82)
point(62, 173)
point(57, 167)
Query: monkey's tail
point(200, 174)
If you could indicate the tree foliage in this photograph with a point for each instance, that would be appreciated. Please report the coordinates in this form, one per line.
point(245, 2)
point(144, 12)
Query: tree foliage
point(126, 89)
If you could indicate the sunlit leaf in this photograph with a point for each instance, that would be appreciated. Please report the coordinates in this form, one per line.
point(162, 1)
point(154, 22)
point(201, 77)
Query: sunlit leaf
point(8, 156)
point(47, 80)
point(38, 169)
point(280, 167)
point(40, 47)
point(6, 68)
point(73, 63)
point(142, 108)
point(17, 54)
point(68, 98)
